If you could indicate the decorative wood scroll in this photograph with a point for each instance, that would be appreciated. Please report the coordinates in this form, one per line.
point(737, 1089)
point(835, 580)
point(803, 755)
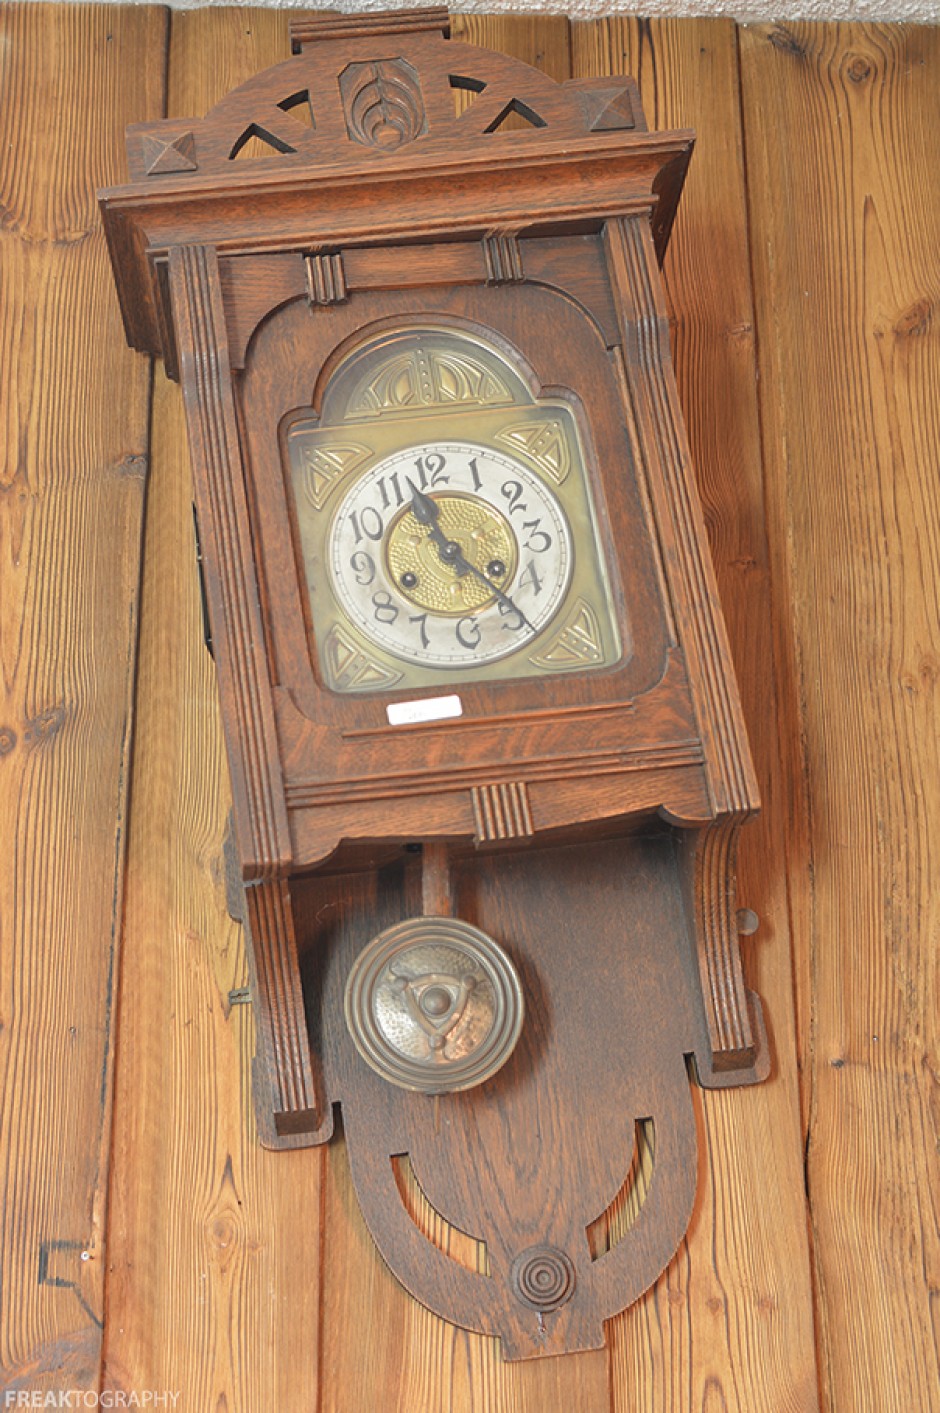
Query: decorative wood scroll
point(539, 863)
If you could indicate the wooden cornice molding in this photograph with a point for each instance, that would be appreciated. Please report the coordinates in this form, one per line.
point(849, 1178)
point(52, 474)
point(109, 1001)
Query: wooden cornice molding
point(419, 134)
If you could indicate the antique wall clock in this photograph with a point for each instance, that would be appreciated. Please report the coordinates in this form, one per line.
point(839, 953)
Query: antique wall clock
point(486, 748)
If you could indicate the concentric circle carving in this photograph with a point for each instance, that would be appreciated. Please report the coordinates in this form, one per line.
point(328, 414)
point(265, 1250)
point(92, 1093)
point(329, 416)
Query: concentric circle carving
point(434, 1005)
point(543, 1278)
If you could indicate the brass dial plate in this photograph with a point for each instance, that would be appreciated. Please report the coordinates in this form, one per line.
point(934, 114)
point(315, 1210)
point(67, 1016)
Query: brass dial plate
point(440, 413)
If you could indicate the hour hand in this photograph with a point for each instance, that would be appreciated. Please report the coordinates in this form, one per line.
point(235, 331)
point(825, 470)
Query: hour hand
point(423, 507)
point(426, 512)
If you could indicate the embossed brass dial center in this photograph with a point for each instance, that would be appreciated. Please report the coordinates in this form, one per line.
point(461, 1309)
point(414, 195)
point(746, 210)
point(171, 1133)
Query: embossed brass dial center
point(420, 570)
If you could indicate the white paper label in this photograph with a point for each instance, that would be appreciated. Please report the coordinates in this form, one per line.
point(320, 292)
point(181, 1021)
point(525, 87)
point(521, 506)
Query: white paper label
point(427, 709)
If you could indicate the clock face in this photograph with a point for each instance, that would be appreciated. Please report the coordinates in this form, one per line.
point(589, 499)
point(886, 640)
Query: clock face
point(446, 521)
point(450, 554)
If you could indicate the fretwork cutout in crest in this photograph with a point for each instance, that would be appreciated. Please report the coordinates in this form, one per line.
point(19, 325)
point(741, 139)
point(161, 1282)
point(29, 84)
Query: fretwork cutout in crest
point(464, 91)
point(515, 116)
point(300, 107)
point(256, 142)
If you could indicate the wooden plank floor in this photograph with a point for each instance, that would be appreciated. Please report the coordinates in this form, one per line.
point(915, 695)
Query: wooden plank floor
point(843, 129)
point(244, 1280)
point(73, 449)
point(214, 1241)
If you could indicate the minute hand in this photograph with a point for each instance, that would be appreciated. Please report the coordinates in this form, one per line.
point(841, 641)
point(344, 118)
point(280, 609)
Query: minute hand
point(427, 513)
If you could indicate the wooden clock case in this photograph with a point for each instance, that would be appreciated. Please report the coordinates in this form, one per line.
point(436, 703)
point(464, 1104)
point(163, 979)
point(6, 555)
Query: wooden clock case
point(587, 820)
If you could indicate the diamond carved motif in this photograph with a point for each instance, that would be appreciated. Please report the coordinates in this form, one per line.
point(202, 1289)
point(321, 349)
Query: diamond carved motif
point(608, 105)
point(173, 154)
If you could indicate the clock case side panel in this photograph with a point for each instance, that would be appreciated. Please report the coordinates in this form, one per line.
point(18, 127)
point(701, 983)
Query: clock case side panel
point(651, 394)
point(258, 855)
point(228, 556)
point(708, 854)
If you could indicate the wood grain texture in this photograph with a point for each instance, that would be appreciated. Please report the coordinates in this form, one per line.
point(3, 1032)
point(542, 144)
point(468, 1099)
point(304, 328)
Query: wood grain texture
point(214, 1287)
point(730, 1323)
point(841, 126)
point(409, 1360)
point(73, 427)
point(213, 1297)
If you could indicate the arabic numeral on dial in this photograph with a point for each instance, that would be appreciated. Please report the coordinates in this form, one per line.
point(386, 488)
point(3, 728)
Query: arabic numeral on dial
point(430, 470)
point(367, 524)
point(422, 619)
point(512, 490)
point(385, 611)
point(529, 579)
point(475, 473)
point(539, 541)
point(516, 620)
point(363, 566)
point(468, 633)
point(390, 484)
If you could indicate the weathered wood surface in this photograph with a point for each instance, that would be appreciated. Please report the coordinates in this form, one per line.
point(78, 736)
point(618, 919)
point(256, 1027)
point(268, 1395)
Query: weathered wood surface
point(842, 141)
point(215, 1242)
point(731, 1321)
point(73, 448)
